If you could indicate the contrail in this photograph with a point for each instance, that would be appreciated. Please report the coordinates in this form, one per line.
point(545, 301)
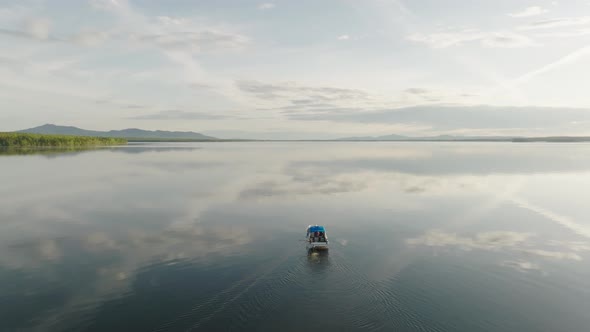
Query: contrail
point(564, 221)
point(512, 85)
point(572, 57)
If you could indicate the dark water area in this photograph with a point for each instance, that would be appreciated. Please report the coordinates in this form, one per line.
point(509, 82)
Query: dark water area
point(209, 237)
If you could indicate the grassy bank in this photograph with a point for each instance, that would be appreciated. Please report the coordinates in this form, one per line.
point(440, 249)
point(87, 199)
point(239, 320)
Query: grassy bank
point(38, 140)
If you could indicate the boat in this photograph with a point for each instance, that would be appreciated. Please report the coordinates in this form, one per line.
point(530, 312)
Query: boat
point(316, 238)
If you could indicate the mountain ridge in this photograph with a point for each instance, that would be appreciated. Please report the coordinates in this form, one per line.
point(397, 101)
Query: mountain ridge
point(52, 129)
point(395, 137)
point(135, 134)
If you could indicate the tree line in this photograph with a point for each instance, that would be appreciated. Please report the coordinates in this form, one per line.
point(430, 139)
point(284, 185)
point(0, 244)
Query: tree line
point(41, 140)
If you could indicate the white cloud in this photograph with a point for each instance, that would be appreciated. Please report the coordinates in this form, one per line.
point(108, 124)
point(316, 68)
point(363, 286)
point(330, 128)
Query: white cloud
point(178, 115)
point(177, 47)
point(180, 39)
point(567, 33)
point(90, 38)
point(266, 6)
point(530, 11)
point(507, 40)
point(557, 22)
point(14, 15)
point(38, 28)
point(577, 246)
point(108, 4)
point(196, 41)
point(301, 94)
point(170, 20)
point(445, 39)
point(485, 39)
point(485, 240)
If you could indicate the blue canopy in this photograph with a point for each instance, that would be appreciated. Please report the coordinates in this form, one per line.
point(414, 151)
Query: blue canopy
point(316, 229)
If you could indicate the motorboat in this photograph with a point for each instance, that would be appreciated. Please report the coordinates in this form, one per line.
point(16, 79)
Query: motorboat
point(316, 238)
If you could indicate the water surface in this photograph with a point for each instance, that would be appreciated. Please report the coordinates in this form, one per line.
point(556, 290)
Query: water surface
point(208, 237)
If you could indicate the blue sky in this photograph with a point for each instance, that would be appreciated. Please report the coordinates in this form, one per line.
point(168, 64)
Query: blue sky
point(298, 69)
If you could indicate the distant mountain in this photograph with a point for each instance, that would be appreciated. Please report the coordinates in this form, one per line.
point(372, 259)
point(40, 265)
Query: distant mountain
point(428, 138)
point(50, 129)
point(378, 138)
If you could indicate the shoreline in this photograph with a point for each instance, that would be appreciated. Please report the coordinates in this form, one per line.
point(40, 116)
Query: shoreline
point(25, 140)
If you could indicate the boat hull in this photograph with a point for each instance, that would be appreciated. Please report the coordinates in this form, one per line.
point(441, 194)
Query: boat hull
point(317, 246)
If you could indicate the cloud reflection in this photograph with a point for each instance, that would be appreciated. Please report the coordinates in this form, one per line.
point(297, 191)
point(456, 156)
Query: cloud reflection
point(514, 243)
point(485, 240)
point(520, 265)
point(111, 215)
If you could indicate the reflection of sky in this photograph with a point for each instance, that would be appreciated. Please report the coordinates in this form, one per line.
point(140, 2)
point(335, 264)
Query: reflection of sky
point(113, 213)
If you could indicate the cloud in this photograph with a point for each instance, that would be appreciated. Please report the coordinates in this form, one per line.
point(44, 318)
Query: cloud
point(12, 63)
point(196, 41)
point(15, 33)
point(38, 28)
point(302, 101)
point(304, 107)
point(507, 40)
point(528, 12)
point(178, 115)
point(452, 117)
point(28, 35)
point(299, 186)
point(343, 37)
point(485, 240)
point(200, 86)
point(485, 39)
point(266, 6)
point(417, 91)
point(17, 13)
point(134, 106)
point(570, 33)
point(428, 96)
point(108, 4)
point(90, 38)
point(557, 22)
point(294, 91)
point(84, 38)
point(167, 20)
point(577, 246)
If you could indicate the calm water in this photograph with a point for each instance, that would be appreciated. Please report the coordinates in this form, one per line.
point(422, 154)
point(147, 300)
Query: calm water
point(208, 237)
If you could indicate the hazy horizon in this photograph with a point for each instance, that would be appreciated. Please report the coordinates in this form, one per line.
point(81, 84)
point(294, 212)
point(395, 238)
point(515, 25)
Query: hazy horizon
point(298, 69)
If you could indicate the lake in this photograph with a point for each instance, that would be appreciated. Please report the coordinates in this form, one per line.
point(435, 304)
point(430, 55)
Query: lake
point(209, 237)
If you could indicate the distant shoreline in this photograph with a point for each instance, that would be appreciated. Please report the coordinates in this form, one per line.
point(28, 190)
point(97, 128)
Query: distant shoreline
point(16, 140)
point(141, 135)
point(506, 140)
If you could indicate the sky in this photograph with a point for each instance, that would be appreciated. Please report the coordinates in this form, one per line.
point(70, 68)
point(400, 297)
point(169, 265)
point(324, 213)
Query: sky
point(289, 69)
